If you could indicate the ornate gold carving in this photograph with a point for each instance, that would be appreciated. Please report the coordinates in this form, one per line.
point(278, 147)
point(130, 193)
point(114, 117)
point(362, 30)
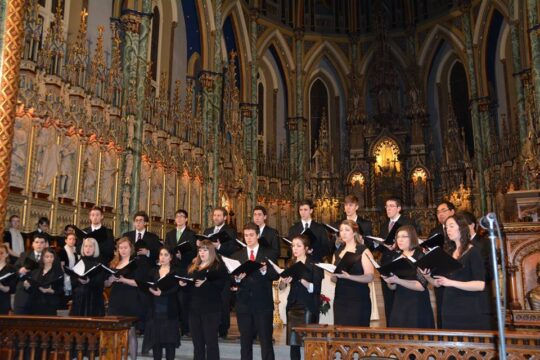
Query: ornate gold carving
point(9, 87)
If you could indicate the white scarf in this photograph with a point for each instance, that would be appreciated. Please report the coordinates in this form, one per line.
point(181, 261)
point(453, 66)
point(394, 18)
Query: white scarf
point(71, 262)
point(17, 242)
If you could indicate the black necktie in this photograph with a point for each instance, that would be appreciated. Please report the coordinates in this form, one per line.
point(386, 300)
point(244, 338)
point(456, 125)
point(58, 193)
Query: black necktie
point(139, 236)
point(306, 226)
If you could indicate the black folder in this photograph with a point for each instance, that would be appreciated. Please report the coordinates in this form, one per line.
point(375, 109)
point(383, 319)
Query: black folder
point(165, 283)
point(34, 283)
point(439, 262)
point(263, 242)
point(222, 236)
point(297, 271)
point(333, 230)
point(6, 276)
point(92, 271)
point(128, 269)
point(310, 235)
point(347, 262)
point(248, 267)
point(402, 267)
point(433, 241)
point(30, 264)
point(183, 248)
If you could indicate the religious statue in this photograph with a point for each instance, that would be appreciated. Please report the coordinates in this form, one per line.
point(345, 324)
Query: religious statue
point(420, 192)
point(170, 196)
point(126, 196)
point(500, 203)
point(195, 205)
point(131, 130)
point(143, 190)
point(108, 175)
point(533, 296)
point(90, 159)
point(68, 152)
point(129, 168)
point(19, 153)
point(157, 191)
point(183, 191)
point(47, 156)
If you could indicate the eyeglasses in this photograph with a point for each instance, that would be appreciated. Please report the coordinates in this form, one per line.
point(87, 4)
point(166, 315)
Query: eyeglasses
point(390, 206)
point(442, 211)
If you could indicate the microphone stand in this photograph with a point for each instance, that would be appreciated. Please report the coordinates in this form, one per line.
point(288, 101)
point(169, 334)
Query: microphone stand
point(500, 318)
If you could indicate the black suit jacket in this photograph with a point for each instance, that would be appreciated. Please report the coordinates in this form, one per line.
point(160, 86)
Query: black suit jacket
point(321, 247)
point(299, 295)
point(271, 236)
point(105, 241)
point(228, 248)
point(22, 296)
point(437, 230)
point(187, 235)
point(255, 290)
point(151, 240)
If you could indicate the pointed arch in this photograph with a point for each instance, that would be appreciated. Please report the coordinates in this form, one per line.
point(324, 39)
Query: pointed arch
point(274, 37)
point(486, 13)
point(429, 46)
point(207, 27)
point(334, 54)
point(394, 50)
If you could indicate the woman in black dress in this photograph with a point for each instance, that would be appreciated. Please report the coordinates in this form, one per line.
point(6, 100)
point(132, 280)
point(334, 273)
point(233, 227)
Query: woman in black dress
point(124, 296)
point(7, 285)
point(209, 277)
point(411, 307)
point(162, 328)
point(303, 301)
point(88, 291)
point(463, 297)
point(352, 304)
point(46, 285)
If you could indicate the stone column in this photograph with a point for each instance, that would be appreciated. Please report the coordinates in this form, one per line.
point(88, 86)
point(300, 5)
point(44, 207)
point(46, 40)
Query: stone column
point(298, 40)
point(475, 116)
point(216, 101)
point(254, 114)
point(11, 52)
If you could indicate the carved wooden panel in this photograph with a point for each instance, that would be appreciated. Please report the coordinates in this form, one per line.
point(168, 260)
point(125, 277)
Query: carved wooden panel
point(334, 342)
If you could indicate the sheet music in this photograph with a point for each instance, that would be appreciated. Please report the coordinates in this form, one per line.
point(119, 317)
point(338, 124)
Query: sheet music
point(5, 276)
point(241, 242)
point(231, 264)
point(327, 267)
point(276, 267)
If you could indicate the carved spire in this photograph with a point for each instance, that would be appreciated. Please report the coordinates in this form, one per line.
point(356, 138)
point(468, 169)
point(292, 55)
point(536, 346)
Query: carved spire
point(96, 80)
point(33, 25)
point(78, 53)
point(114, 86)
point(51, 54)
point(176, 115)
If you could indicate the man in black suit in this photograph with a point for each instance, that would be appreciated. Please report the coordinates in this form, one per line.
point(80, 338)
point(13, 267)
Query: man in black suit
point(147, 244)
point(22, 306)
point(103, 235)
point(351, 211)
point(320, 242)
point(483, 244)
point(42, 230)
point(394, 219)
point(174, 238)
point(268, 236)
point(219, 217)
point(444, 210)
point(254, 300)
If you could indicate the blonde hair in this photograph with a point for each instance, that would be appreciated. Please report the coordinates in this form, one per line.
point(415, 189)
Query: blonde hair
point(96, 247)
point(116, 260)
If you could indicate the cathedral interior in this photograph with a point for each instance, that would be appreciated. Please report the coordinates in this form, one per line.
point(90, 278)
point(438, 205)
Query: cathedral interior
point(159, 105)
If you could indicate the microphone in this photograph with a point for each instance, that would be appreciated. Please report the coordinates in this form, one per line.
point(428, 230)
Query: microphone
point(488, 220)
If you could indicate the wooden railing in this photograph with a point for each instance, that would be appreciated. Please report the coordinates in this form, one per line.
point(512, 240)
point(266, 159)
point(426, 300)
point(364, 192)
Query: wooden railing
point(51, 337)
point(326, 342)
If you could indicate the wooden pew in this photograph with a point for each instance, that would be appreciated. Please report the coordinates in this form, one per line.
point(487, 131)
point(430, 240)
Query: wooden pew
point(335, 342)
point(54, 337)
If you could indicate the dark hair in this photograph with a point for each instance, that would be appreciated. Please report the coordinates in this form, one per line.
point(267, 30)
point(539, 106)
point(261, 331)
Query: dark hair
point(14, 217)
point(168, 249)
point(413, 236)
point(69, 226)
point(251, 226)
point(56, 260)
point(307, 202)
point(394, 199)
point(469, 217)
point(351, 199)
point(305, 241)
point(97, 208)
point(142, 214)
point(223, 210)
point(181, 211)
point(40, 236)
point(464, 235)
point(261, 208)
point(43, 220)
point(448, 204)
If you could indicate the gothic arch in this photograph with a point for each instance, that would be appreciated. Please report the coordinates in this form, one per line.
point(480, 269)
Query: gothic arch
point(242, 37)
point(192, 64)
point(394, 50)
point(483, 19)
point(383, 136)
point(334, 54)
point(429, 47)
point(207, 27)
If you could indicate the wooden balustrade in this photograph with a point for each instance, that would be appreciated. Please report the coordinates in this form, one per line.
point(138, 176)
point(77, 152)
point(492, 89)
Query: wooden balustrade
point(51, 337)
point(336, 342)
